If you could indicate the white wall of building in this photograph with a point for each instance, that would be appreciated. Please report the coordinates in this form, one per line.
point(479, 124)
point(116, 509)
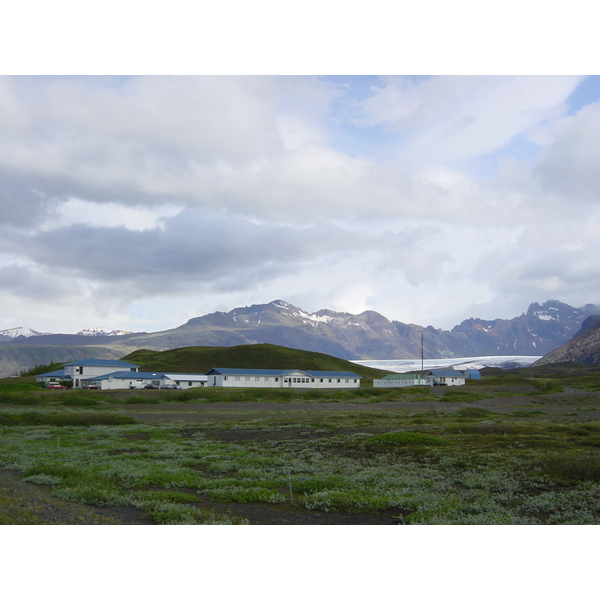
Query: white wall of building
point(396, 383)
point(80, 372)
point(296, 379)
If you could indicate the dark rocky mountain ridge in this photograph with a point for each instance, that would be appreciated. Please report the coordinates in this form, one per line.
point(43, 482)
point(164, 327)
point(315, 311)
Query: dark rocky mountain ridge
point(583, 348)
point(368, 335)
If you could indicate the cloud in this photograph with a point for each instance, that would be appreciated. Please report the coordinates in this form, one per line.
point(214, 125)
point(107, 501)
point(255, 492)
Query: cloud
point(570, 166)
point(198, 248)
point(28, 282)
point(447, 120)
point(211, 192)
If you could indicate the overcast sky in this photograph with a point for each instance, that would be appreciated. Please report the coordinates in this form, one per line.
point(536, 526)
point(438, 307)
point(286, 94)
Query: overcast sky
point(140, 202)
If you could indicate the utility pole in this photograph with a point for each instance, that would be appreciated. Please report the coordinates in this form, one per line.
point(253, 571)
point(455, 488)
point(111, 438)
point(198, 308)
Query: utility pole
point(422, 369)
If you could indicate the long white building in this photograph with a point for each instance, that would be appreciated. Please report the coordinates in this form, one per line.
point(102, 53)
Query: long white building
point(274, 378)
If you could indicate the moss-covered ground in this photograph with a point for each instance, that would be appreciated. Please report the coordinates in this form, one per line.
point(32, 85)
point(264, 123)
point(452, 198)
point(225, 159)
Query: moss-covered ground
point(514, 448)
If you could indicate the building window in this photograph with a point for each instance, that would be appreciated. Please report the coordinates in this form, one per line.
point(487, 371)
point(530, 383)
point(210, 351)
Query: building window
point(237, 378)
point(257, 379)
point(339, 380)
point(276, 378)
point(346, 381)
point(247, 378)
point(321, 380)
point(224, 378)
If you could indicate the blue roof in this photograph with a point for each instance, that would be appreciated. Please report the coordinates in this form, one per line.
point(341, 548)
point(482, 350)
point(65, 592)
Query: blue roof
point(446, 373)
point(282, 373)
point(98, 362)
point(348, 374)
point(404, 376)
point(125, 375)
point(141, 375)
point(273, 372)
point(59, 373)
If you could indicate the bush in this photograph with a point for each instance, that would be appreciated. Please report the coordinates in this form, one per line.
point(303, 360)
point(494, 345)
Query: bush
point(19, 398)
point(567, 469)
point(63, 420)
point(18, 386)
point(406, 438)
point(473, 413)
point(346, 501)
point(141, 400)
point(80, 401)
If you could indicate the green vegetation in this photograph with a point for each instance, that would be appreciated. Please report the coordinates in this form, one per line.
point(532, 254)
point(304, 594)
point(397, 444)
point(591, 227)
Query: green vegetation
point(200, 359)
point(508, 449)
point(42, 369)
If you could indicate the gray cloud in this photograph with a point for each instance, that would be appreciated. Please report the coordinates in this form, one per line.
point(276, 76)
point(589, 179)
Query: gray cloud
point(29, 283)
point(570, 165)
point(195, 247)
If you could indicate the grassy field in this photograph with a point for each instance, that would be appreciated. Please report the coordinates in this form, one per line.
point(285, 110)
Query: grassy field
point(518, 447)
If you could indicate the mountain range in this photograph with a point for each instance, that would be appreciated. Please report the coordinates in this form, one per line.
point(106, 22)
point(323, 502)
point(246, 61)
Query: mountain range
point(369, 335)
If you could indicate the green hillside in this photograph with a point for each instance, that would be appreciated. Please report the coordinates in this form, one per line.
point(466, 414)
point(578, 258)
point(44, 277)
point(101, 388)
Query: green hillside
point(200, 359)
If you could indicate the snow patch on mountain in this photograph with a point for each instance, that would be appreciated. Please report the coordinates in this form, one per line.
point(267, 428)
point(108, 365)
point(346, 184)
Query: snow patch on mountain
point(93, 331)
point(15, 332)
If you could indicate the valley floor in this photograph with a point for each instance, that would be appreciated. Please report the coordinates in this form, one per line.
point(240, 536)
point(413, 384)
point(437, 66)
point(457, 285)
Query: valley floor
point(505, 451)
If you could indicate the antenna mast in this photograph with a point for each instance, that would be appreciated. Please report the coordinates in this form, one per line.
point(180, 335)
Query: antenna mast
point(422, 350)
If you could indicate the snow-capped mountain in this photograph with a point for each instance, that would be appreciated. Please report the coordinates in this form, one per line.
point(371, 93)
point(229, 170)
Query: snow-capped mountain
point(364, 336)
point(98, 331)
point(15, 332)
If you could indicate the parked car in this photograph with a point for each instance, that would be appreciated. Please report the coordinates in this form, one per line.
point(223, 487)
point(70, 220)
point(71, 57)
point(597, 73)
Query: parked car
point(56, 386)
point(170, 386)
point(439, 383)
point(91, 386)
point(151, 386)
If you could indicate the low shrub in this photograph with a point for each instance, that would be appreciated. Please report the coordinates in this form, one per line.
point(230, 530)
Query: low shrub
point(546, 387)
point(80, 401)
point(244, 495)
point(346, 501)
point(406, 438)
point(569, 469)
point(473, 413)
point(63, 420)
point(18, 386)
point(525, 413)
point(483, 428)
point(93, 494)
point(174, 496)
point(19, 398)
point(57, 472)
point(141, 400)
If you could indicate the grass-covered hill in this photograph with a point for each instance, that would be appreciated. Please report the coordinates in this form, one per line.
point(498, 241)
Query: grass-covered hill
point(200, 359)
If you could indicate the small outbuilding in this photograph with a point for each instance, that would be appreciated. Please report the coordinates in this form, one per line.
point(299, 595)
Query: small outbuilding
point(400, 380)
point(444, 377)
